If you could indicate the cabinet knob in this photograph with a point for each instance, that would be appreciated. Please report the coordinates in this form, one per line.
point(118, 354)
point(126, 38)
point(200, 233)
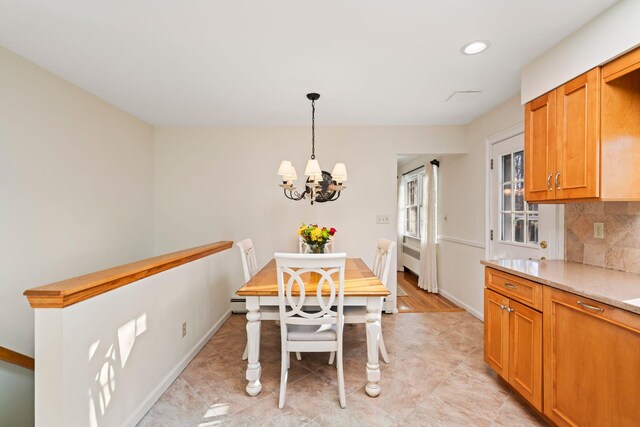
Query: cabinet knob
point(557, 183)
point(549, 181)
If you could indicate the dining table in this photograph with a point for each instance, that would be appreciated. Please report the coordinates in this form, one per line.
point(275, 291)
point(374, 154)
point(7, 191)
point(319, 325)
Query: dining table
point(361, 289)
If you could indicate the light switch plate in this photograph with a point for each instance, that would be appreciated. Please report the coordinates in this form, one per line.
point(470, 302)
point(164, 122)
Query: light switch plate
point(598, 230)
point(382, 219)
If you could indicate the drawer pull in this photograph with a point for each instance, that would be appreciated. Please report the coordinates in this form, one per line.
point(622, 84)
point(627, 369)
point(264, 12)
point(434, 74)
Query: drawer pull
point(590, 307)
point(510, 286)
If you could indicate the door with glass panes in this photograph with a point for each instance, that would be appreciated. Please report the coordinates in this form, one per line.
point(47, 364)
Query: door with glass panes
point(518, 229)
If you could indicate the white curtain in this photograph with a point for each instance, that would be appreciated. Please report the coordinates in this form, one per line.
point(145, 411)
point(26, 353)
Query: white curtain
point(428, 274)
point(401, 215)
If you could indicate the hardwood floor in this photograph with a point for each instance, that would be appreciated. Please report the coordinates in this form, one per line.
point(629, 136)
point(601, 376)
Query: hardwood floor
point(420, 301)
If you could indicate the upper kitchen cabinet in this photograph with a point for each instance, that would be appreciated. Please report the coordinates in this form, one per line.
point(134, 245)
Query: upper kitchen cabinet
point(582, 140)
point(620, 122)
point(562, 144)
point(539, 147)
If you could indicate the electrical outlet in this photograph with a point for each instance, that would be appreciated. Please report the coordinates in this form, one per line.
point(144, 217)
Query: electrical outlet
point(382, 219)
point(184, 329)
point(598, 230)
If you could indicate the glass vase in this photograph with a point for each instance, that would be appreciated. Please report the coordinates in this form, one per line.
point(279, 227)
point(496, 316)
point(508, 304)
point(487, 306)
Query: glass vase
point(315, 248)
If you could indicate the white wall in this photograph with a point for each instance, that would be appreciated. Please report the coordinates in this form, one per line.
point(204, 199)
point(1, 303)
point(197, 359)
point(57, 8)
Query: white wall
point(221, 183)
point(607, 36)
point(76, 195)
point(105, 361)
point(462, 201)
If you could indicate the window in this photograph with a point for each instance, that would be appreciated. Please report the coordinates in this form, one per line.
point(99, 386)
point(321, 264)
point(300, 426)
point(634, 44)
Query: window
point(518, 219)
point(413, 204)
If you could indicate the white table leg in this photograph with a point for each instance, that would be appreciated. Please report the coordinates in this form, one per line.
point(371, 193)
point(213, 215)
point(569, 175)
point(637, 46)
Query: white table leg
point(253, 344)
point(374, 306)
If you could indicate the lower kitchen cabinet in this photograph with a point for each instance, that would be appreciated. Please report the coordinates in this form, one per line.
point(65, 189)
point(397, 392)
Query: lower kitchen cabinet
point(591, 362)
point(513, 344)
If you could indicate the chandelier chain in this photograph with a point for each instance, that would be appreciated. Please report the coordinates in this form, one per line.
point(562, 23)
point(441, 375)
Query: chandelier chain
point(313, 129)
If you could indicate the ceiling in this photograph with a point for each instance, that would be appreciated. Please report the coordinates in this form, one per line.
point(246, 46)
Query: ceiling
point(251, 62)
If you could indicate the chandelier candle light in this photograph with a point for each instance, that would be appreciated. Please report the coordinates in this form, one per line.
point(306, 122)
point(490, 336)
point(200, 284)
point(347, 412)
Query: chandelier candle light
point(321, 186)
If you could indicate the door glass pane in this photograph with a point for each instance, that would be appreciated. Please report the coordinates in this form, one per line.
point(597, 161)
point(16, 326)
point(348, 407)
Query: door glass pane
point(533, 230)
point(533, 207)
point(507, 194)
point(518, 165)
point(506, 168)
point(506, 227)
point(518, 229)
point(519, 197)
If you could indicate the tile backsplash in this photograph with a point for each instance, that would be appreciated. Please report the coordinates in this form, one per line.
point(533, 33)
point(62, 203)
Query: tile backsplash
point(620, 248)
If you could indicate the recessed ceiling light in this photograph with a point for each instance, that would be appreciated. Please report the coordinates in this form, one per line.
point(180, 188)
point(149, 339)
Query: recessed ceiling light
point(475, 47)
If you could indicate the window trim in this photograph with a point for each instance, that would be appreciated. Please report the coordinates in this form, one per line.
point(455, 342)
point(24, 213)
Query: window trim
point(418, 176)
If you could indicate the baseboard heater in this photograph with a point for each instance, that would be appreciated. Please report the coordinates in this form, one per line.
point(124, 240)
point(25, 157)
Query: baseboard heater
point(238, 305)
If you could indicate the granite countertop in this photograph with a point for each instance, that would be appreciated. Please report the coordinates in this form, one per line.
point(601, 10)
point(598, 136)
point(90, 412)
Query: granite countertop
point(612, 287)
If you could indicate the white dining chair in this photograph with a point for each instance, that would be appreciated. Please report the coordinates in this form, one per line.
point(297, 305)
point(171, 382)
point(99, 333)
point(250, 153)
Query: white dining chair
point(310, 331)
point(381, 265)
point(303, 248)
point(250, 268)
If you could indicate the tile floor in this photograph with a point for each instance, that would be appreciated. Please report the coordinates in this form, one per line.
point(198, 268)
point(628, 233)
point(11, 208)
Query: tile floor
point(436, 378)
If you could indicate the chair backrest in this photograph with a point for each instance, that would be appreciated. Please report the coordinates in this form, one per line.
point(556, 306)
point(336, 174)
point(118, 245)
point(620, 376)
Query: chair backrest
point(382, 262)
point(293, 293)
point(249, 263)
point(303, 247)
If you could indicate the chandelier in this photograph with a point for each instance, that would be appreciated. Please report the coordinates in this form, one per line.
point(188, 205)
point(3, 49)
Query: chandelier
point(321, 186)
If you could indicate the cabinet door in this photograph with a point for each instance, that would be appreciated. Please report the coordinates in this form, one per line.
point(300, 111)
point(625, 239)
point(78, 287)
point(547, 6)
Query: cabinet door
point(525, 355)
point(496, 332)
point(540, 148)
point(591, 362)
point(577, 174)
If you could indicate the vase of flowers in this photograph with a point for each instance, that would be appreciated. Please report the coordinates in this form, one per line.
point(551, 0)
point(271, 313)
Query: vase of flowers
point(315, 237)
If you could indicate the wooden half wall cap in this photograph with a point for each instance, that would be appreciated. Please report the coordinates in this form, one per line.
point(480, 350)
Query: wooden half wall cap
point(71, 291)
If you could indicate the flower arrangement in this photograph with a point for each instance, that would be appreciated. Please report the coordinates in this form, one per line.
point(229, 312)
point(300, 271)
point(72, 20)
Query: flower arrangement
point(315, 237)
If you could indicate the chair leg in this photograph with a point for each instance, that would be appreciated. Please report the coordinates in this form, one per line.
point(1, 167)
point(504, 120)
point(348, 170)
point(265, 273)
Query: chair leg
point(298, 356)
point(383, 349)
point(343, 399)
point(245, 355)
point(284, 371)
point(332, 357)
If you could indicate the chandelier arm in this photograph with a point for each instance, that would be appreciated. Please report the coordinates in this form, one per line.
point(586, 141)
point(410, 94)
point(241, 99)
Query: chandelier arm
point(294, 195)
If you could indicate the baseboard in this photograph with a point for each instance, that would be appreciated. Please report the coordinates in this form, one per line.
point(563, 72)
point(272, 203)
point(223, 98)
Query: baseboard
point(173, 374)
point(456, 300)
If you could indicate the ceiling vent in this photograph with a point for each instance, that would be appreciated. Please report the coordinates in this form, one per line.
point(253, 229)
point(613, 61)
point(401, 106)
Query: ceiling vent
point(462, 96)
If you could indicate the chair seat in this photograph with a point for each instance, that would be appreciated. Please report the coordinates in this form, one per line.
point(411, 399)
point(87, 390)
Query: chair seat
point(312, 333)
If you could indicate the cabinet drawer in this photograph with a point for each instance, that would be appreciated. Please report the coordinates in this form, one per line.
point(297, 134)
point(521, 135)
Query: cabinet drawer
point(522, 290)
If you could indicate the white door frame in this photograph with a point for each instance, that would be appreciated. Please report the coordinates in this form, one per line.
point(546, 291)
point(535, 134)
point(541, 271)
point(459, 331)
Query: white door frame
point(490, 141)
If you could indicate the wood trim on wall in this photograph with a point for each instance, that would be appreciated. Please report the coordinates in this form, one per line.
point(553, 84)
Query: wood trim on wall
point(16, 358)
point(464, 242)
point(71, 291)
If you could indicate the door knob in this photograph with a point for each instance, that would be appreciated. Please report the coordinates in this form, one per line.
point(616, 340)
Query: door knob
point(544, 244)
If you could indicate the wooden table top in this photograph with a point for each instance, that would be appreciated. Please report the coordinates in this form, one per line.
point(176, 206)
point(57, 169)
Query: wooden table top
point(358, 281)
